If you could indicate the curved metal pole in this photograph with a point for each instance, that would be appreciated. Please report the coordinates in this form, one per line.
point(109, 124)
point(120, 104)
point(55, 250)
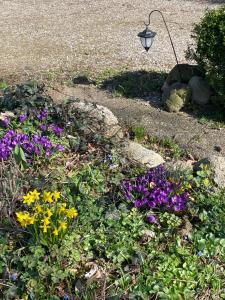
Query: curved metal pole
point(156, 10)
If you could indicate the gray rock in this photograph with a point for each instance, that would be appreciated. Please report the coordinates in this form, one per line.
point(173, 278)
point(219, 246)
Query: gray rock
point(201, 91)
point(187, 71)
point(217, 165)
point(138, 153)
point(176, 96)
point(100, 114)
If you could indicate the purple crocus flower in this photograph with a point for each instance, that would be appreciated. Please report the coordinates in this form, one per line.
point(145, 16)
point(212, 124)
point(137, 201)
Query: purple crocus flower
point(138, 203)
point(23, 117)
point(56, 129)
point(59, 147)
point(41, 115)
point(152, 219)
point(43, 127)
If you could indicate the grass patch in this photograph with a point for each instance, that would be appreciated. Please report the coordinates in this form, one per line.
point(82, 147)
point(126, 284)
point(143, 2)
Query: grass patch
point(166, 146)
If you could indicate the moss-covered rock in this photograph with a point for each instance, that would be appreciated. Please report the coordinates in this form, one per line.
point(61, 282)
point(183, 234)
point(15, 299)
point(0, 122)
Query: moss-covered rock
point(176, 97)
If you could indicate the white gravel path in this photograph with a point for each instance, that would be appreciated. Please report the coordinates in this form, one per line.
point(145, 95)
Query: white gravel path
point(38, 35)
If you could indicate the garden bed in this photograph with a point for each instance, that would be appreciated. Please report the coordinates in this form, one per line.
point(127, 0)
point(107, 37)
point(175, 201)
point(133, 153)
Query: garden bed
point(81, 221)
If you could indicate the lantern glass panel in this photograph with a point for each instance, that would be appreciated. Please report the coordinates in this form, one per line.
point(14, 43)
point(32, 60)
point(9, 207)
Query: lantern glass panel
point(146, 42)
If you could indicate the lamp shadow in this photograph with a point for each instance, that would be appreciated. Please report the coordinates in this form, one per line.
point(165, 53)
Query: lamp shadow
point(136, 84)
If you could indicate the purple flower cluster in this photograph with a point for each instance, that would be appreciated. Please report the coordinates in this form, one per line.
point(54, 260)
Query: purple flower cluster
point(41, 115)
point(154, 190)
point(56, 129)
point(34, 145)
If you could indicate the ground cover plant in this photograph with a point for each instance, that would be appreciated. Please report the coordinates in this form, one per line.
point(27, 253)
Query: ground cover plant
point(82, 222)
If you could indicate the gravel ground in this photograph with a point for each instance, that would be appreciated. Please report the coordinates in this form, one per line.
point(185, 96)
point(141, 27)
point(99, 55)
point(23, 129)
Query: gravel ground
point(40, 35)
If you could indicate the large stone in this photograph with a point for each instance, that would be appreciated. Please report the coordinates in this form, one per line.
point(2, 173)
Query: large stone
point(176, 96)
point(217, 165)
point(100, 114)
point(142, 155)
point(186, 71)
point(200, 90)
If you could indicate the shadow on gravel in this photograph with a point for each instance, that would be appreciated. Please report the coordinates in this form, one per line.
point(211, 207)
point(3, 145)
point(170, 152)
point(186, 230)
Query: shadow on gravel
point(210, 115)
point(138, 84)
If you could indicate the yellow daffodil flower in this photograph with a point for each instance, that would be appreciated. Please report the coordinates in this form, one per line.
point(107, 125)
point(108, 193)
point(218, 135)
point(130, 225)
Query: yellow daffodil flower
point(45, 221)
point(45, 228)
point(56, 195)
point(71, 213)
point(56, 232)
point(49, 213)
point(47, 197)
point(38, 209)
point(31, 220)
point(28, 199)
point(62, 207)
point(63, 226)
point(25, 219)
point(35, 194)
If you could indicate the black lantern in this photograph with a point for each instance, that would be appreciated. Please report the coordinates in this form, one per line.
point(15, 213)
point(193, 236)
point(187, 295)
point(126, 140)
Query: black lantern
point(146, 37)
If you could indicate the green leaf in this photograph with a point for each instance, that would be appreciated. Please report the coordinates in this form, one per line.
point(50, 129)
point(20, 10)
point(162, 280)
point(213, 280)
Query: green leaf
point(20, 158)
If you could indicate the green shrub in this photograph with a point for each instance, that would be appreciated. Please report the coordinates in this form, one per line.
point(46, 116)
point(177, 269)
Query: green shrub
point(209, 53)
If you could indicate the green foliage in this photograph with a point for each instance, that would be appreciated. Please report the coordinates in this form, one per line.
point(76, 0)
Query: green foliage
point(209, 36)
point(167, 146)
point(3, 84)
point(20, 158)
point(25, 97)
point(139, 133)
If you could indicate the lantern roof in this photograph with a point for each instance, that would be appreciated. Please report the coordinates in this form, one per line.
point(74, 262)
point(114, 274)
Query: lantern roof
point(147, 33)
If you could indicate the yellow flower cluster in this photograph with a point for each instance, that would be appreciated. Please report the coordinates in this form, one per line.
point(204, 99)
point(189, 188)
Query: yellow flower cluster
point(48, 214)
point(25, 218)
point(31, 197)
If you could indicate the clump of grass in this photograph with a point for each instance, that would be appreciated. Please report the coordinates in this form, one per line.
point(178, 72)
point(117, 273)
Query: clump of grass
point(167, 146)
point(138, 133)
point(3, 85)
